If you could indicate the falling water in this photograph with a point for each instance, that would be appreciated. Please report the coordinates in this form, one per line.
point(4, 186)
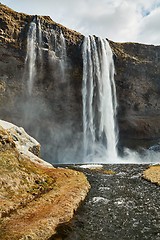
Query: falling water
point(63, 56)
point(99, 98)
point(31, 55)
point(57, 52)
point(40, 44)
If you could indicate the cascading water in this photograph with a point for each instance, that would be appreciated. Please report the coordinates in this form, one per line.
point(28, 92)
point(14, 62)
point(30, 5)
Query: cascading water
point(63, 55)
point(99, 99)
point(58, 52)
point(46, 50)
point(31, 55)
point(40, 43)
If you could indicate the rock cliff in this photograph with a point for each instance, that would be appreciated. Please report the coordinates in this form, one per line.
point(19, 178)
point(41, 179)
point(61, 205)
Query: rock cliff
point(138, 89)
point(56, 105)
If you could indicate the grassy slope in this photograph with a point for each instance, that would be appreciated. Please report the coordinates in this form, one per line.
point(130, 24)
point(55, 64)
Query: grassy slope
point(34, 199)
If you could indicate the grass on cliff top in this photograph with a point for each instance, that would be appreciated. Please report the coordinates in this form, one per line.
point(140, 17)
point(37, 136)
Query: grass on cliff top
point(14, 23)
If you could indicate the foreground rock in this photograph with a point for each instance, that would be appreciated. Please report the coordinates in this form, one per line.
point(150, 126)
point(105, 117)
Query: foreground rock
point(34, 197)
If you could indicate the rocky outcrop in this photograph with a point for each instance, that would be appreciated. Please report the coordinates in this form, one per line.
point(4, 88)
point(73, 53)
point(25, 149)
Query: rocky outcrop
point(25, 144)
point(56, 105)
point(35, 197)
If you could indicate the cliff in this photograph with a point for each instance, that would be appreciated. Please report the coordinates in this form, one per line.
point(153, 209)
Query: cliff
point(35, 197)
point(56, 105)
point(138, 89)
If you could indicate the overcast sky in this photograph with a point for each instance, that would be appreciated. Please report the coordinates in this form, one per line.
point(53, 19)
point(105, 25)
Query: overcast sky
point(118, 20)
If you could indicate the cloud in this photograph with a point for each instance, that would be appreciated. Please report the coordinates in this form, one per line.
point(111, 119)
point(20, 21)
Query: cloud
point(117, 23)
point(119, 20)
point(149, 28)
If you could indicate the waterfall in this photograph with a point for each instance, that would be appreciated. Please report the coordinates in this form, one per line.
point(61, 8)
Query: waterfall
point(34, 56)
point(99, 99)
point(40, 43)
point(63, 56)
point(58, 52)
point(31, 55)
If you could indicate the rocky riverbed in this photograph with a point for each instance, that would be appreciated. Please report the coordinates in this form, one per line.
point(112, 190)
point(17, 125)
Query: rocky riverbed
point(120, 205)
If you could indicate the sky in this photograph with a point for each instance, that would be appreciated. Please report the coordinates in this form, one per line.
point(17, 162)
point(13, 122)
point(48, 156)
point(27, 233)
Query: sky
point(117, 20)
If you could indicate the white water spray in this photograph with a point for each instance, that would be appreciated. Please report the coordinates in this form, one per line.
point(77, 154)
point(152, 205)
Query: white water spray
point(99, 99)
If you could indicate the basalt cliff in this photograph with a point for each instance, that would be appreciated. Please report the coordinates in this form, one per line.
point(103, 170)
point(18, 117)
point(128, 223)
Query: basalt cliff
point(53, 112)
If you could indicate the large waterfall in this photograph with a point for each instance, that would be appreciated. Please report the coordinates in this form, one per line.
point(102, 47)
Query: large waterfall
point(99, 100)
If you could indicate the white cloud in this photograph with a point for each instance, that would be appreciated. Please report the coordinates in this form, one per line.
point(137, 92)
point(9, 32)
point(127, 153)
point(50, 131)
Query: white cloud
point(118, 20)
point(149, 31)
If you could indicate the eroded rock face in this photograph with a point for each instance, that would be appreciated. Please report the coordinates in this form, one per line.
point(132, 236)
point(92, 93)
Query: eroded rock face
point(56, 105)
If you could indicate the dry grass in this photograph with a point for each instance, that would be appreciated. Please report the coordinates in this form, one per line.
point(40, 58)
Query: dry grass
point(152, 174)
point(34, 199)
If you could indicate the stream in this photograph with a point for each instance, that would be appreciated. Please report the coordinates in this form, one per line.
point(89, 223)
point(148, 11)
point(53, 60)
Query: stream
point(120, 206)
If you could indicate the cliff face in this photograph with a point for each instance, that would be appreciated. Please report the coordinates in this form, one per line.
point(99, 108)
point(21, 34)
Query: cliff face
point(138, 89)
point(54, 107)
point(53, 113)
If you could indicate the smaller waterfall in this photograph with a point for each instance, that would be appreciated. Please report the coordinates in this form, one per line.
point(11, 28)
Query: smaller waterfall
point(63, 56)
point(40, 44)
point(58, 51)
point(31, 55)
point(99, 99)
point(34, 58)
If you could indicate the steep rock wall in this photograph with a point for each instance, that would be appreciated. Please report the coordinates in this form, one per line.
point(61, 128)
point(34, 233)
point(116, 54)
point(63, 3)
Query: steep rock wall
point(138, 89)
point(53, 114)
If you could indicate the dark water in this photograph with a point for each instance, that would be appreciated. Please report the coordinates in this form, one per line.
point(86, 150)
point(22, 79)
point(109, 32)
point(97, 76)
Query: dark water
point(119, 206)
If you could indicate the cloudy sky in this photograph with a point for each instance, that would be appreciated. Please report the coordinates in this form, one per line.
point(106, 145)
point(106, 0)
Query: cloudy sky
point(118, 20)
